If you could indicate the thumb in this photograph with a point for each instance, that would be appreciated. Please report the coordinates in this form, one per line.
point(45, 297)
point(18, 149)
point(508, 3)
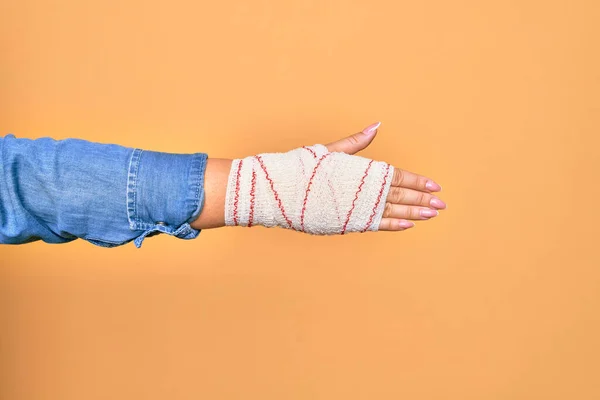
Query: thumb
point(357, 142)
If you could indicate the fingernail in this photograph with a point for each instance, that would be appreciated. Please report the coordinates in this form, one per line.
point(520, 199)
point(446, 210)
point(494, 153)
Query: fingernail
point(432, 186)
point(406, 224)
point(371, 129)
point(437, 203)
point(428, 213)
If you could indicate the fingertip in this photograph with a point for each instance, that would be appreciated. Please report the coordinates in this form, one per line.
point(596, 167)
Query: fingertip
point(371, 130)
point(432, 186)
point(404, 224)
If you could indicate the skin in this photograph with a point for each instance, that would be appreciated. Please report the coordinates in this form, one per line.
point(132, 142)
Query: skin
point(411, 196)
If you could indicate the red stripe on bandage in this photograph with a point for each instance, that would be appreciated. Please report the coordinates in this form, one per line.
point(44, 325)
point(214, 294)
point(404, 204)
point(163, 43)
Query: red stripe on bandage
point(311, 151)
point(308, 190)
point(387, 170)
point(252, 194)
point(362, 182)
point(274, 191)
point(237, 193)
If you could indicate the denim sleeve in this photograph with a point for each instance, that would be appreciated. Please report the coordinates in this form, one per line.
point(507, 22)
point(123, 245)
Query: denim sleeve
point(107, 194)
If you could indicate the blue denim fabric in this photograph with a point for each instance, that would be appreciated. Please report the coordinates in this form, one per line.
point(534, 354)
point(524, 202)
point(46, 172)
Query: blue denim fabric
point(107, 194)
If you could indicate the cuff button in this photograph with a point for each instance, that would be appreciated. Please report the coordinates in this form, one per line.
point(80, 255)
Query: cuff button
point(161, 223)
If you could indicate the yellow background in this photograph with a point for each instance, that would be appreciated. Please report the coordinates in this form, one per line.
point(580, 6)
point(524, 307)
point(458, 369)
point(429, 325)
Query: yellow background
point(497, 298)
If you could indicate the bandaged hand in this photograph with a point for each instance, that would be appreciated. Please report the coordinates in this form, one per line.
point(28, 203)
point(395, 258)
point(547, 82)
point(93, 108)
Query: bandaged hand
point(326, 190)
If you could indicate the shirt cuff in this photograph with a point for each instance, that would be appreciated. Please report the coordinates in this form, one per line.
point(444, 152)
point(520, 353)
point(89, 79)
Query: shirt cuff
point(165, 193)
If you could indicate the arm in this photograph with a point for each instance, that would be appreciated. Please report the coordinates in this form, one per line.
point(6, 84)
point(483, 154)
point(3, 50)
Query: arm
point(215, 186)
point(61, 190)
point(58, 191)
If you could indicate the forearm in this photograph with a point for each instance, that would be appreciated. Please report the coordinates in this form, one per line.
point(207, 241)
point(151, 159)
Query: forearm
point(108, 194)
point(215, 187)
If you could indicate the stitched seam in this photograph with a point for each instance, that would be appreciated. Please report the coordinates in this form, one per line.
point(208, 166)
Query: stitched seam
point(197, 173)
point(132, 178)
point(252, 195)
point(237, 193)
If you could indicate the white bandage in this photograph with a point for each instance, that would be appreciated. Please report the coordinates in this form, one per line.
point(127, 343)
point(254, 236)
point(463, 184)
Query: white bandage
point(308, 189)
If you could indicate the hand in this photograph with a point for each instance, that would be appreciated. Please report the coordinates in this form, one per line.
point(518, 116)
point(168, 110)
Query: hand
point(410, 198)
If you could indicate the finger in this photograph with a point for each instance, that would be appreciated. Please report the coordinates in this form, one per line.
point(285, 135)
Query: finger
point(408, 212)
point(391, 224)
point(357, 142)
point(410, 180)
point(399, 195)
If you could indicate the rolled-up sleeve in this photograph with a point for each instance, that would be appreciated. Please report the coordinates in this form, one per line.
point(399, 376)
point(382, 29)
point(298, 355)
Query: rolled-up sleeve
point(107, 194)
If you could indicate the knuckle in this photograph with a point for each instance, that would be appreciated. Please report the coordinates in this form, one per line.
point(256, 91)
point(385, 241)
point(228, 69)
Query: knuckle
point(401, 195)
point(384, 225)
point(353, 140)
point(398, 176)
point(398, 195)
point(387, 210)
point(420, 198)
point(427, 200)
point(414, 213)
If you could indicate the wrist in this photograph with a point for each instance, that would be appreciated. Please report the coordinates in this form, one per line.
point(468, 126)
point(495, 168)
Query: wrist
point(215, 187)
